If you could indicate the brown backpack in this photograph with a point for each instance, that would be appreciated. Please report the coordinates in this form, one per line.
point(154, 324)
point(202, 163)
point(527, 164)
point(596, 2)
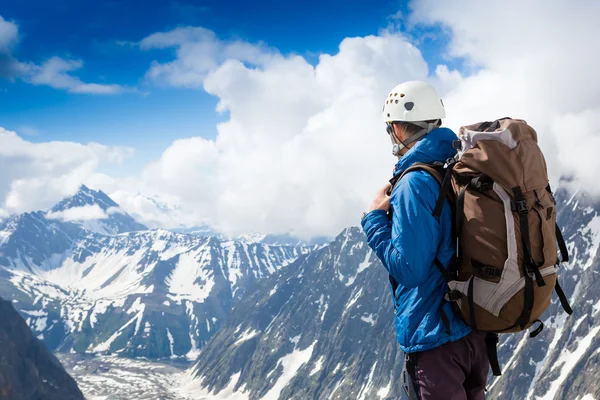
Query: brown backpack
point(504, 273)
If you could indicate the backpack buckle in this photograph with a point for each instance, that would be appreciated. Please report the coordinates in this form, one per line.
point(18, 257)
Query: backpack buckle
point(522, 207)
point(452, 295)
point(481, 183)
point(491, 272)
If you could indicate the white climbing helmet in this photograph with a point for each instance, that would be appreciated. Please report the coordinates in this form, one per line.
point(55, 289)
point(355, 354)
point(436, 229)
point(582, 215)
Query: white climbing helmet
point(413, 101)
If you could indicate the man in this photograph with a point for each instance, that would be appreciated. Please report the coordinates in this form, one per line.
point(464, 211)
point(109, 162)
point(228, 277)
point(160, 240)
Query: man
point(444, 358)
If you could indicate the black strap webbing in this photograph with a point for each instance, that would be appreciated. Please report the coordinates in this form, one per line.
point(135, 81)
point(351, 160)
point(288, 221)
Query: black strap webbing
point(445, 319)
point(491, 341)
point(460, 211)
point(564, 302)
point(537, 330)
point(447, 274)
point(394, 287)
point(444, 189)
point(564, 253)
point(528, 303)
point(529, 263)
point(472, 320)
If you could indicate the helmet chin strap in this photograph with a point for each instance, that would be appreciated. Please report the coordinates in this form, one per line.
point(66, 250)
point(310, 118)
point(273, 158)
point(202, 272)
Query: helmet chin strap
point(400, 145)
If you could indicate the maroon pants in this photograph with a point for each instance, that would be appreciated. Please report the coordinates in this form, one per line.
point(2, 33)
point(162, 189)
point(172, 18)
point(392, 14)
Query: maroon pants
point(453, 371)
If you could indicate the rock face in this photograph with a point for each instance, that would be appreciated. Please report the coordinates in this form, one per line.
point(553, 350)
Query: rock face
point(322, 328)
point(29, 371)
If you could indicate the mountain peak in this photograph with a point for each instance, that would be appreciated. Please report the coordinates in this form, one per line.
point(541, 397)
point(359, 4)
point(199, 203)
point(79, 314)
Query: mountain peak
point(95, 211)
point(86, 197)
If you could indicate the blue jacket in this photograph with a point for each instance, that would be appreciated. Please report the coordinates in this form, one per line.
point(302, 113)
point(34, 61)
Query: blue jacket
point(409, 244)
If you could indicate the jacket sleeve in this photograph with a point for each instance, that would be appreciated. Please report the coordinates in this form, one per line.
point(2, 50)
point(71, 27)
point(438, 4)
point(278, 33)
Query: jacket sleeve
point(407, 245)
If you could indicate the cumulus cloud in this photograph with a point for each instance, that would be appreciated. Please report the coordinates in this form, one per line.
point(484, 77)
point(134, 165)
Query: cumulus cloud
point(304, 147)
point(534, 60)
point(83, 213)
point(37, 175)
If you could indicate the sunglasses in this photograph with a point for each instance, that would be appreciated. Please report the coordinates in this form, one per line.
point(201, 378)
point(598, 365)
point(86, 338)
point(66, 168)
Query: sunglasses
point(389, 128)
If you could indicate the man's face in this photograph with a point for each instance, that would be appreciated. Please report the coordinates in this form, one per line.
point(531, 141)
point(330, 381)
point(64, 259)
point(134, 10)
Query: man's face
point(400, 134)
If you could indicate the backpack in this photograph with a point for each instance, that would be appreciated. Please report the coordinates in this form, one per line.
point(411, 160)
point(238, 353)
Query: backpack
point(504, 272)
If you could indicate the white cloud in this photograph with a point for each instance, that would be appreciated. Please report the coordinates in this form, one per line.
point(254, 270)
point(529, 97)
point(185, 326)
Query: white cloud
point(304, 147)
point(199, 51)
point(535, 60)
point(9, 35)
point(83, 213)
point(54, 72)
point(37, 175)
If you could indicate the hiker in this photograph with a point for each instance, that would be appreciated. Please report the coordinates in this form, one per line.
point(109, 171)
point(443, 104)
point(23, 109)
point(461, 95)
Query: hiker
point(445, 359)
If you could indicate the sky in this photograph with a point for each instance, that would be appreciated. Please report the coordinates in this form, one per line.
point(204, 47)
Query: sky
point(264, 116)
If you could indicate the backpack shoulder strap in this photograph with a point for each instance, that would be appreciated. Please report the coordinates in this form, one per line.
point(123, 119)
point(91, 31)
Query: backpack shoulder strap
point(442, 174)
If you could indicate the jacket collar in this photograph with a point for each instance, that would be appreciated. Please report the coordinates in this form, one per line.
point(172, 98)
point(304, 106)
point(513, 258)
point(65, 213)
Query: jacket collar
point(435, 146)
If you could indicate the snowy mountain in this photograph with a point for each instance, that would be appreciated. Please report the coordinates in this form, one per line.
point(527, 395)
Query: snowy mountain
point(267, 350)
point(322, 328)
point(143, 293)
point(96, 212)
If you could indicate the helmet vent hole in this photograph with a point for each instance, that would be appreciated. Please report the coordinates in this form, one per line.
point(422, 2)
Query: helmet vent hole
point(442, 102)
point(409, 105)
point(396, 101)
point(402, 94)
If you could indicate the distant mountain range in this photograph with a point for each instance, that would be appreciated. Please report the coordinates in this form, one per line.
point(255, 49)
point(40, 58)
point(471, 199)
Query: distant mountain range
point(89, 278)
point(267, 317)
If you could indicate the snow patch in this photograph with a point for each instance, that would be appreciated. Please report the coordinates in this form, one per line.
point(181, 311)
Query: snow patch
point(192, 388)
point(368, 384)
point(366, 263)
point(385, 391)
point(352, 301)
point(318, 366)
point(40, 324)
point(171, 342)
point(369, 319)
point(189, 280)
point(291, 364)
point(247, 335)
point(593, 228)
point(568, 360)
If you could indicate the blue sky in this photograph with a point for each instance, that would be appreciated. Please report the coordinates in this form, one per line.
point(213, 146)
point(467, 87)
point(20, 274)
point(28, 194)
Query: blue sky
point(149, 117)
